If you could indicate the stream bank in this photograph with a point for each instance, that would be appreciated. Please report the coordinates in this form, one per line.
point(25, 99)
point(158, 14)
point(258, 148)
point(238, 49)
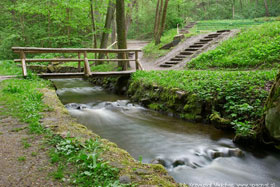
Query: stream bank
point(231, 101)
point(131, 171)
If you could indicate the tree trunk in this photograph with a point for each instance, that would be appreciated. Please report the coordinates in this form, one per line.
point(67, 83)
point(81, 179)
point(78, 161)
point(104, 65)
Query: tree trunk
point(114, 32)
point(266, 9)
point(108, 22)
point(161, 29)
point(121, 31)
point(157, 28)
point(163, 18)
point(129, 14)
point(94, 37)
point(156, 18)
point(233, 9)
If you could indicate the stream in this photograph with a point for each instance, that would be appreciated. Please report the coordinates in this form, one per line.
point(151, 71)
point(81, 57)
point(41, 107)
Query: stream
point(192, 153)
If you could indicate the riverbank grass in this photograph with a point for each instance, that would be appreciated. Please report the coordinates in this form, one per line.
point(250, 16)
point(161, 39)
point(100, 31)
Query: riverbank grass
point(230, 97)
point(23, 100)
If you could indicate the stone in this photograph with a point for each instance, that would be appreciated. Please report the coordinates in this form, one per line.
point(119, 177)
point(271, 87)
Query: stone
point(272, 117)
point(178, 163)
point(125, 179)
point(235, 152)
point(159, 161)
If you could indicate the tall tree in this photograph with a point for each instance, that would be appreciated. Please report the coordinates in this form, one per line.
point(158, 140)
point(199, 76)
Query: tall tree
point(94, 36)
point(121, 32)
point(160, 20)
point(109, 18)
point(266, 9)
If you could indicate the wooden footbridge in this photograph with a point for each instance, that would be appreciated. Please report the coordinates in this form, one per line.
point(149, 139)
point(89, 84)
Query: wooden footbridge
point(81, 55)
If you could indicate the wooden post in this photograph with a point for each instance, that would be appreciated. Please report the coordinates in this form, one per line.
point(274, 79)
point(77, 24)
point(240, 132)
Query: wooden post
point(23, 64)
point(79, 63)
point(136, 60)
point(86, 66)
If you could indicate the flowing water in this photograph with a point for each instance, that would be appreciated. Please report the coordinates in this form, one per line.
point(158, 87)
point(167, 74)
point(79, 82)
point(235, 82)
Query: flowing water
point(192, 153)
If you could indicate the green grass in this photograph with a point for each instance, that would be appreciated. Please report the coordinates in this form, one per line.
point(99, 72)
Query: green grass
point(214, 25)
point(257, 47)
point(240, 96)
point(9, 68)
point(22, 159)
point(23, 100)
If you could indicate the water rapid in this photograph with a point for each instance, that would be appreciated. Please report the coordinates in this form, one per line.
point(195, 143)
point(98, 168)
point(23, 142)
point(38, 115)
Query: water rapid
point(192, 153)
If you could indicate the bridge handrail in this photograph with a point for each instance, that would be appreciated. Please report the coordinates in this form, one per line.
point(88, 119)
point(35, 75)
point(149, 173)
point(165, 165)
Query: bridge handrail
point(25, 50)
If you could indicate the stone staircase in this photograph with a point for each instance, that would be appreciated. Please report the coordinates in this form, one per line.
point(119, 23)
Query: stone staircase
point(186, 29)
point(194, 49)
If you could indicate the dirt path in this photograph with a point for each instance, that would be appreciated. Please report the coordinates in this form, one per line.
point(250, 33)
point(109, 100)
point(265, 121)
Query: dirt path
point(23, 157)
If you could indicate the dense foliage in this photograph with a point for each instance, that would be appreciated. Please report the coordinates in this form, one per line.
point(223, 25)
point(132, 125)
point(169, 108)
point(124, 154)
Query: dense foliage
point(240, 96)
point(253, 48)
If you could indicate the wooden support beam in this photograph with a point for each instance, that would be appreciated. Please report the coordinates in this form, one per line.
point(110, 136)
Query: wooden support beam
point(23, 64)
point(70, 50)
point(136, 61)
point(86, 66)
point(79, 62)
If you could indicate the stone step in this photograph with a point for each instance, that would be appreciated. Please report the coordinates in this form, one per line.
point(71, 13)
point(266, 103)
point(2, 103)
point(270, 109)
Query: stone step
point(181, 56)
point(196, 46)
point(172, 62)
point(200, 43)
point(186, 53)
point(176, 59)
point(210, 37)
point(166, 65)
point(214, 34)
point(191, 49)
point(206, 40)
point(222, 31)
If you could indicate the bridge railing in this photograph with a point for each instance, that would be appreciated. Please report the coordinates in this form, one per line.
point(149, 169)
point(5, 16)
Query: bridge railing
point(80, 51)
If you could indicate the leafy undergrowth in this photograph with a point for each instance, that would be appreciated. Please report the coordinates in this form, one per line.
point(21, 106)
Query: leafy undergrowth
point(257, 47)
point(237, 96)
point(23, 100)
point(91, 169)
point(153, 51)
point(9, 68)
point(214, 25)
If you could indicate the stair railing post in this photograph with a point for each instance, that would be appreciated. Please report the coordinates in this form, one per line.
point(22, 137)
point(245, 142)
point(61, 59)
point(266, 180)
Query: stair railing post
point(23, 63)
point(136, 60)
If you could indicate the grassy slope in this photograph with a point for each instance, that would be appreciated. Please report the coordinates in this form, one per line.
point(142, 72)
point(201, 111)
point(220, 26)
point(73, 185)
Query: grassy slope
point(240, 94)
point(253, 48)
point(153, 51)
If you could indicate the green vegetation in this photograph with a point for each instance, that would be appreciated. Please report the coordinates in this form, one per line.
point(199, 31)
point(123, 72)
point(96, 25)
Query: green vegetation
point(91, 170)
point(9, 68)
point(23, 100)
point(214, 25)
point(237, 96)
point(22, 159)
point(257, 47)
